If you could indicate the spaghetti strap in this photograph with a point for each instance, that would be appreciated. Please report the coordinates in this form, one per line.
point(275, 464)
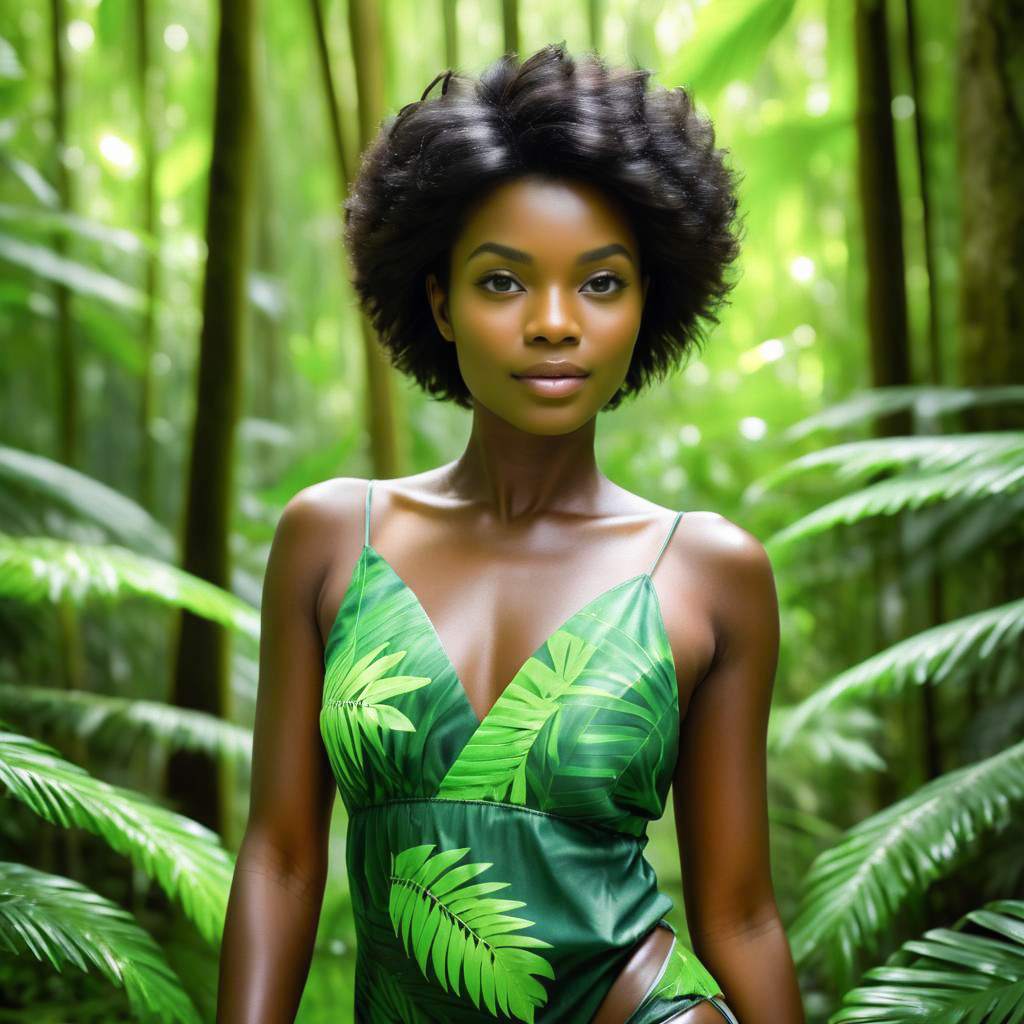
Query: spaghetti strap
point(664, 544)
point(366, 515)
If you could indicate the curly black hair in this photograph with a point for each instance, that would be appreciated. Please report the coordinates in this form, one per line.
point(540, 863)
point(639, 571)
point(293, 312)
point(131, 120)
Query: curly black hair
point(559, 117)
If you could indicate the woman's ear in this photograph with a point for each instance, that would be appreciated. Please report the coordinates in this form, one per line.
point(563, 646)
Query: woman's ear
point(439, 307)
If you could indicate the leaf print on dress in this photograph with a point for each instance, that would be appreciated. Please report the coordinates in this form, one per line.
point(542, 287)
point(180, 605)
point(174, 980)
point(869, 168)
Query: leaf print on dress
point(494, 759)
point(354, 713)
point(464, 934)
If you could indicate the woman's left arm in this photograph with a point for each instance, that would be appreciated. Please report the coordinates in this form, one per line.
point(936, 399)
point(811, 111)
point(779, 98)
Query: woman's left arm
point(720, 792)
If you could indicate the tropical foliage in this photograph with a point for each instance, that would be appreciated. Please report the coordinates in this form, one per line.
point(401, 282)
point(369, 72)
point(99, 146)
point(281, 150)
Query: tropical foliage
point(138, 497)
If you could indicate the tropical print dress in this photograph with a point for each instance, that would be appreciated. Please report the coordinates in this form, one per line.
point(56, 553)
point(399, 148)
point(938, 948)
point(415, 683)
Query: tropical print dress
point(496, 867)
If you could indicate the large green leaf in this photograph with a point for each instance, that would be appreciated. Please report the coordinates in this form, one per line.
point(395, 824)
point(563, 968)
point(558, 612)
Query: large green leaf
point(61, 921)
point(183, 856)
point(949, 975)
point(729, 41)
point(465, 936)
point(952, 650)
point(943, 451)
point(43, 569)
point(51, 484)
point(898, 495)
point(926, 403)
point(119, 722)
point(493, 762)
point(856, 890)
point(354, 710)
point(82, 279)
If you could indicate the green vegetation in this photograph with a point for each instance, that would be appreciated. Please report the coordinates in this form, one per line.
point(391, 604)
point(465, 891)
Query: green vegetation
point(180, 353)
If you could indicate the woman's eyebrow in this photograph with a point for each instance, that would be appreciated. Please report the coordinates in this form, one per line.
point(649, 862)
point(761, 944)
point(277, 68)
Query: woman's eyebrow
point(524, 257)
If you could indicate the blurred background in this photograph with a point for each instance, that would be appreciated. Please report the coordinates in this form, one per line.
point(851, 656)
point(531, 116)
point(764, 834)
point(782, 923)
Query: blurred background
point(180, 353)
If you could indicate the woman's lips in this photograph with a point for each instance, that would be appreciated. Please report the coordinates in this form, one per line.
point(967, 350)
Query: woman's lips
point(553, 387)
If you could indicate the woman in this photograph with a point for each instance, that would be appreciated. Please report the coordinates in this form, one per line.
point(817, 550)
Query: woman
point(535, 246)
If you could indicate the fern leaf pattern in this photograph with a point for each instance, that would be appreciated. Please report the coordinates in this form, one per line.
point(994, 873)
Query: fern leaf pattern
point(493, 763)
point(354, 712)
point(463, 934)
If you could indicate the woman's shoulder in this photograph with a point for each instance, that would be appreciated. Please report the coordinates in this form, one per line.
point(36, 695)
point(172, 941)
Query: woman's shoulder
point(719, 545)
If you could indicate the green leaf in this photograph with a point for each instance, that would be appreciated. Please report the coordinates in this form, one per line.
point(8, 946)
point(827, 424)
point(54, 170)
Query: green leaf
point(353, 713)
point(493, 762)
point(953, 650)
point(61, 921)
point(43, 569)
point(183, 856)
point(463, 936)
point(855, 890)
point(949, 975)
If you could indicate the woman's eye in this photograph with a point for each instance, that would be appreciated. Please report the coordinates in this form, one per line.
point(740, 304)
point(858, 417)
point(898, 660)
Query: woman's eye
point(610, 283)
point(501, 279)
point(504, 284)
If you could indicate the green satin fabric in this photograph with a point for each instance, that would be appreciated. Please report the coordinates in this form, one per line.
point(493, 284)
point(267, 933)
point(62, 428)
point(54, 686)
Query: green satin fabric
point(497, 868)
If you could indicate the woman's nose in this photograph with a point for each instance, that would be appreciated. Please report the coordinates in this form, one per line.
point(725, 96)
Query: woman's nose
point(554, 317)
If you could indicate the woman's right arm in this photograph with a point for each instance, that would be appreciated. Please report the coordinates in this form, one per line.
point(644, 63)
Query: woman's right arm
point(277, 891)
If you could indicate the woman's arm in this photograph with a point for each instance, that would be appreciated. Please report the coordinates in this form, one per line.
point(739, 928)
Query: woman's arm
point(277, 890)
point(720, 795)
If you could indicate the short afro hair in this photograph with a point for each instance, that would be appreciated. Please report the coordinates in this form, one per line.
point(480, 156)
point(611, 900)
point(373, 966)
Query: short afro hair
point(558, 117)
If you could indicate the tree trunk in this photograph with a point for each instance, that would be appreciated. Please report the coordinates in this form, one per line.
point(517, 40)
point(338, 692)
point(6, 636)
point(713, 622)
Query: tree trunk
point(990, 144)
point(889, 348)
point(368, 56)
point(202, 663)
point(147, 146)
point(990, 147)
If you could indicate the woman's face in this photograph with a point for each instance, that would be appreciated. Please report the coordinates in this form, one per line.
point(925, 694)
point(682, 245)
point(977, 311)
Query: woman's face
point(544, 272)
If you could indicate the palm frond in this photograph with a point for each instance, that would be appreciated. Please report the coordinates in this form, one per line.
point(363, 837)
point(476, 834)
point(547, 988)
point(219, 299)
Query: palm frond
point(949, 975)
point(43, 569)
point(49, 221)
point(841, 737)
point(951, 650)
point(900, 494)
point(932, 452)
point(55, 485)
point(464, 934)
point(120, 722)
point(927, 403)
point(182, 855)
point(60, 921)
point(354, 712)
point(856, 889)
point(79, 277)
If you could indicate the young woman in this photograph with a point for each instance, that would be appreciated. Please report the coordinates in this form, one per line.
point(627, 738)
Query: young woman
point(482, 658)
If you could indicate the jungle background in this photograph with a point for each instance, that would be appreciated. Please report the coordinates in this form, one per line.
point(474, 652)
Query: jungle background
point(180, 353)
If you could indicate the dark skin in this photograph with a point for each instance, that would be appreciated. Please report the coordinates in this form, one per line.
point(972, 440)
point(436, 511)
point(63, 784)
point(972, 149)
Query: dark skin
point(500, 545)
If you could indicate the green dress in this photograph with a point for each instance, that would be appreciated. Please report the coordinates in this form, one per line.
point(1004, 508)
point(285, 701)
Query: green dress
point(496, 868)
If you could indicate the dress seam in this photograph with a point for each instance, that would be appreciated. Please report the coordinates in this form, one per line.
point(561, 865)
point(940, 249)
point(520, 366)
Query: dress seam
point(499, 803)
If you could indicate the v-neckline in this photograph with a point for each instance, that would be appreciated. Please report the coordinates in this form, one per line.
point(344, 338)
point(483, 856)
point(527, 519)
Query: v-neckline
point(436, 637)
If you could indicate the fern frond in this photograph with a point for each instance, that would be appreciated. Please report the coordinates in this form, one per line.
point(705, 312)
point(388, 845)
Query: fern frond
point(926, 452)
point(899, 494)
point(444, 919)
point(54, 485)
point(949, 975)
point(79, 277)
point(951, 650)
point(183, 856)
point(925, 402)
point(44, 569)
point(856, 889)
point(118, 722)
point(59, 920)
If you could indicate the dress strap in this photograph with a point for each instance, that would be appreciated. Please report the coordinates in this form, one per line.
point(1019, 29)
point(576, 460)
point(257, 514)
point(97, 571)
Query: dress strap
point(366, 514)
point(664, 543)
